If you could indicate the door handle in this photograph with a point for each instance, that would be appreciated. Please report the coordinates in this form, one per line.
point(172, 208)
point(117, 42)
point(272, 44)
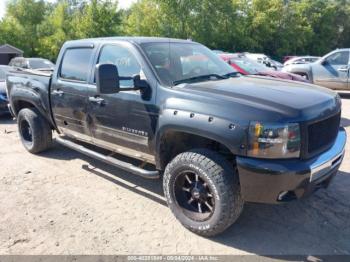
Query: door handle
point(97, 100)
point(58, 92)
point(343, 69)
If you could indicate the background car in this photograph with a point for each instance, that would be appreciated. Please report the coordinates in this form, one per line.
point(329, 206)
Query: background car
point(265, 60)
point(3, 95)
point(32, 63)
point(246, 66)
point(302, 60)
point(287, 57)
point(274, 64)
point(330, 71)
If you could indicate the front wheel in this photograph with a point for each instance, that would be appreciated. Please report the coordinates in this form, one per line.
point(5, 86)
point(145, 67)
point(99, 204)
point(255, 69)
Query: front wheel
point(203, 192)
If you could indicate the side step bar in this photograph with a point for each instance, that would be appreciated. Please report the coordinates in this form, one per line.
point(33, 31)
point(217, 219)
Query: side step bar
point(108, 159)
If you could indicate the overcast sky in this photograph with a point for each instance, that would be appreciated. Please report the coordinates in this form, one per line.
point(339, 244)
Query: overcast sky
point(122, 4)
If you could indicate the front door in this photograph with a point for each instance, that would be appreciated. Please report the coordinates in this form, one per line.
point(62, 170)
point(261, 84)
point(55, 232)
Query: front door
point(124, 122)
point(333, 71)
point(69, 93)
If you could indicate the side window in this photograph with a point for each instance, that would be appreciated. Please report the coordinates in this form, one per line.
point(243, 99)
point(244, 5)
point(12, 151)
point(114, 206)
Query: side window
point(125, 61)
point(75, 64)
point(338, 58)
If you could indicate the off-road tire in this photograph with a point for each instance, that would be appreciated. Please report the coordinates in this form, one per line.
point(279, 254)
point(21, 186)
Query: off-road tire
point(39, 137)
point(220, 175)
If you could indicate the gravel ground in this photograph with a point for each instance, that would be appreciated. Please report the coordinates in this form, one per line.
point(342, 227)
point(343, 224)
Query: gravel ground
point(62, 202)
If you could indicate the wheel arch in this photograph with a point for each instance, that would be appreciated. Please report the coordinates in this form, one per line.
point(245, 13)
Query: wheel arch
point(305, 70)
point(172, 141)
point(17, 104)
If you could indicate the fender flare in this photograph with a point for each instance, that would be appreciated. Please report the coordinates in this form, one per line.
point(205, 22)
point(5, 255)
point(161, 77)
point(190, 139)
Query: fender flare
point(231, 135)
point(19, 95)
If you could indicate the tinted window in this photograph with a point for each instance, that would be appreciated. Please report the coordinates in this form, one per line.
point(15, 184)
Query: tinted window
point(75, 64)
point(125, 61)
point(339, 58)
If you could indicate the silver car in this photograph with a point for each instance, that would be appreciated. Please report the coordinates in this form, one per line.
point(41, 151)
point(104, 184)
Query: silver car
point(330, 71)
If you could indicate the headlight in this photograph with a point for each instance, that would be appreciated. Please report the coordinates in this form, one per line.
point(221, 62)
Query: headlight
point(271, 140)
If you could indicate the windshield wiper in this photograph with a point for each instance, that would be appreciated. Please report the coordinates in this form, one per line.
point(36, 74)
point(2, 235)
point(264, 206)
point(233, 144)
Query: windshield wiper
point(201, 77)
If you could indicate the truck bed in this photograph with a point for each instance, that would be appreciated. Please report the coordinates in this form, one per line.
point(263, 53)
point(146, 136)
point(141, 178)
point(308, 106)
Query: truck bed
point(32, 86)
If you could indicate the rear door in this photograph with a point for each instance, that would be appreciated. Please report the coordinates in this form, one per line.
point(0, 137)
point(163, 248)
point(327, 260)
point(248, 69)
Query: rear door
point(125, 122)
point(332, 71)
point(69, 92)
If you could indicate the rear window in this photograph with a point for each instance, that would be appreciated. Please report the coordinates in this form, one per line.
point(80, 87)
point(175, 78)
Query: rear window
point(75, 64)
point(41, 63)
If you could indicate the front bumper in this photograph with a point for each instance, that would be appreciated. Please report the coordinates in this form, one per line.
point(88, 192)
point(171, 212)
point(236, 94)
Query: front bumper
point(273, 181)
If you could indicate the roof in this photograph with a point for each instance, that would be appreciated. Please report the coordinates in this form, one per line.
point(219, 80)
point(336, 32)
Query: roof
point(9, 49)
point(133, 39)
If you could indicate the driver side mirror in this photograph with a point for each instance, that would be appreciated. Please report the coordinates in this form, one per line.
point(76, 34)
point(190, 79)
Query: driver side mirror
point(107, 79)
point(139, 83)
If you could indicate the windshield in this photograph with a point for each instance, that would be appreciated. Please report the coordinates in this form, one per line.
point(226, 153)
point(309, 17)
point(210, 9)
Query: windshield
point(40, 63)
point(177, 62)
point(248, 65)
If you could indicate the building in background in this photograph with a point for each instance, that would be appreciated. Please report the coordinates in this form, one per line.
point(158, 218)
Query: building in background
point(7, 52)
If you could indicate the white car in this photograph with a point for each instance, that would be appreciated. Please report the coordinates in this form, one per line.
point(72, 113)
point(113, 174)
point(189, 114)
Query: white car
point(265, 60)
point(301, 60)
point(260, 58)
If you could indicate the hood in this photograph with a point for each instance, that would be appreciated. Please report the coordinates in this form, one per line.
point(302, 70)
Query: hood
point(261, 98)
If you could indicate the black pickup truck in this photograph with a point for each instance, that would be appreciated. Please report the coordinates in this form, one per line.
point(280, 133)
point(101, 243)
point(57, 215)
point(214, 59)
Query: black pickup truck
point(176, 111)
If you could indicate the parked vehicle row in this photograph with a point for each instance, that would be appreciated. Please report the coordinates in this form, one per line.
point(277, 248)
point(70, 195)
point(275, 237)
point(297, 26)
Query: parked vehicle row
point(331, 71)
point(217, 139)
point(246, 66)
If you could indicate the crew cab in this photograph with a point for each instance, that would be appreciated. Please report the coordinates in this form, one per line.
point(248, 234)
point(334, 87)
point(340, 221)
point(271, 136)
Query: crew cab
point(174, 110)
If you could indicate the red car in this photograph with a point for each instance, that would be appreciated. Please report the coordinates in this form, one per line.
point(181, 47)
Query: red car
point(246, 66)
point(286, 58)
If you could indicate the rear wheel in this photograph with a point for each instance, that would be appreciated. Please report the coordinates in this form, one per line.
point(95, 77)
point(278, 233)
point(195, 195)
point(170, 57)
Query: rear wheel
point(202, 191)
point(34, 130)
